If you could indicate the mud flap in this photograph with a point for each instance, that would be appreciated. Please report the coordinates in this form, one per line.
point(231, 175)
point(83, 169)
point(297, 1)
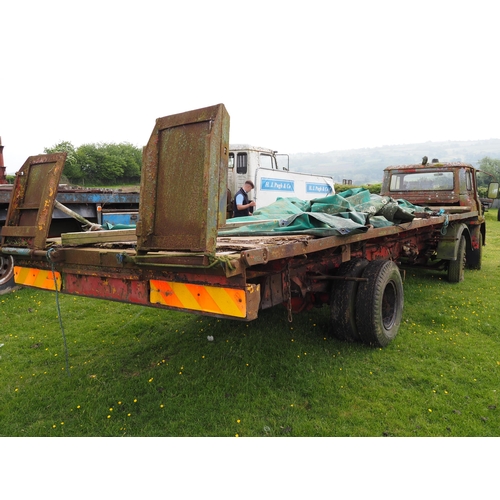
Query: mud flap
point(448, 244)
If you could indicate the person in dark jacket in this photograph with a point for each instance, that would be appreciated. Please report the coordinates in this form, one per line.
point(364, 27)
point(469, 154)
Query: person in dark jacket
point(242, 205)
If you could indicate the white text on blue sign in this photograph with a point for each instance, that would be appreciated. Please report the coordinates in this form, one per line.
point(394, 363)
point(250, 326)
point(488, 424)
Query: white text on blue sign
point(312, 187)
point(277, 185)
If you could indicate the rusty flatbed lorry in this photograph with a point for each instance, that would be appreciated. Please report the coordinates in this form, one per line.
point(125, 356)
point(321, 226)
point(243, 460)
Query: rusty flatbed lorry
point(183, 254)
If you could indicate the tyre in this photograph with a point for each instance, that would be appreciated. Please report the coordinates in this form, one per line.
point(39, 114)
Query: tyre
point(379, 303)
point(474, 257)
point(498, 215)
point(343, 301)
point(456, 267)
point(6, 274)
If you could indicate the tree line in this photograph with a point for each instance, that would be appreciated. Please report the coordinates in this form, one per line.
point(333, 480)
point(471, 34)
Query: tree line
point(100, 164)
point(114, 164)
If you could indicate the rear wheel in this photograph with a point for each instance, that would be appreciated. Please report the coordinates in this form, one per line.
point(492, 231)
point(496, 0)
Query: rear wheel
point(456, 267)
point(379, 303)
point(6, 274)
point(343, 301)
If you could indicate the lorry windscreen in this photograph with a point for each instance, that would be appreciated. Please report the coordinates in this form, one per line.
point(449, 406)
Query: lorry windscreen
point(266, 161)
point(421, 181)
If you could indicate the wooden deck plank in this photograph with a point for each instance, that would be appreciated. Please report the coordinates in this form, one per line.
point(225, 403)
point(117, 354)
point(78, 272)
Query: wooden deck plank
point(93, 237)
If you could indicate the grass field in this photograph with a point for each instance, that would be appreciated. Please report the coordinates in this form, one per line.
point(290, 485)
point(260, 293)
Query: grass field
point(138, 371)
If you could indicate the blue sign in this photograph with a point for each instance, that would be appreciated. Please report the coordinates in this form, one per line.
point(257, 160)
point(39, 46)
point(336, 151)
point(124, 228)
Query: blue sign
point(277, 185)
point(313, 187)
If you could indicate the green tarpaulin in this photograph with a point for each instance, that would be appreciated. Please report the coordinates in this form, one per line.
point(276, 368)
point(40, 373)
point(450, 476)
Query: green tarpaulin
point(349, 212)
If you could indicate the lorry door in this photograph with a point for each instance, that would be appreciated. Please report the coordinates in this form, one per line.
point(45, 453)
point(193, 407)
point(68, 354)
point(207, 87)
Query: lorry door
point(471, 198)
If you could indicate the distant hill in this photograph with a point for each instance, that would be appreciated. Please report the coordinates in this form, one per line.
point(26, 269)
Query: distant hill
point(365, 165)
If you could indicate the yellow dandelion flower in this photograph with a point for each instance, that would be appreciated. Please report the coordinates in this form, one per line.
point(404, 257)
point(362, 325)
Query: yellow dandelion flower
point(109, 416)
point(238, 421)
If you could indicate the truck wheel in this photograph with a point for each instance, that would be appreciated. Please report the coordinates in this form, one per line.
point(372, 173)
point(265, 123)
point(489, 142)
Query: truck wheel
point(474, 257)
point(498, 215)
point(6, 274)
point(379, 303)
point(343, 301)
point(456, 267)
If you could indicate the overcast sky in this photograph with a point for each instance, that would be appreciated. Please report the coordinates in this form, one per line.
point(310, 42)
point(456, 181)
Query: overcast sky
point(309, 76)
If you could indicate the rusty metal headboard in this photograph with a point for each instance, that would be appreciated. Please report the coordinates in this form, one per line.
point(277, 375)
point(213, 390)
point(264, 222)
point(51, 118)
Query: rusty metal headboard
point(32, 202)
point(184, 182)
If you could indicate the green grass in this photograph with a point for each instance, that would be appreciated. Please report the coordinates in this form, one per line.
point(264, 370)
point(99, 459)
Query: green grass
point(139, 371)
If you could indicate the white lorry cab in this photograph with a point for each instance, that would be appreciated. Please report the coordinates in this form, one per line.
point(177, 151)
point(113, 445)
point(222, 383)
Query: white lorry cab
point(269, 171)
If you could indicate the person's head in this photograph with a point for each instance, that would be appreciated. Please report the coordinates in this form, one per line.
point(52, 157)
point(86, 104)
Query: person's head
point(248, 186)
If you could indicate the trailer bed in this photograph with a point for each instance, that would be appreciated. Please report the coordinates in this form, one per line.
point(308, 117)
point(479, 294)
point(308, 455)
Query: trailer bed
point(241, 251)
